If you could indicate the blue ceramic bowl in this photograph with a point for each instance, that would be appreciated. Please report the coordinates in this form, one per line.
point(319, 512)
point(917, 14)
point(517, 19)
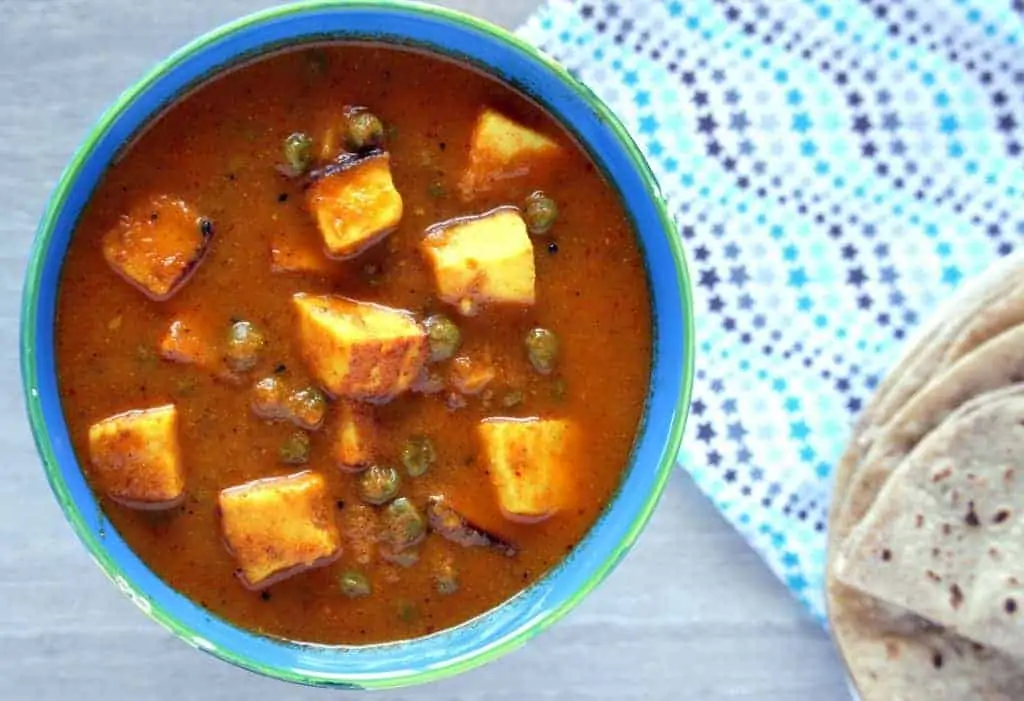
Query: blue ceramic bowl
point(496, 52)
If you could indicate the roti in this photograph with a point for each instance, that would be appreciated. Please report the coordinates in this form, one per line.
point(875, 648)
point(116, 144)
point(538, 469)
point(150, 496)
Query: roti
point(930, 665)
point(943, 539)
point(894, 654)
point(881, 635)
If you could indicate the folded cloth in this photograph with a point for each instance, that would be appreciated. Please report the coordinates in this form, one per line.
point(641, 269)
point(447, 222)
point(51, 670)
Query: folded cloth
point(835, 169)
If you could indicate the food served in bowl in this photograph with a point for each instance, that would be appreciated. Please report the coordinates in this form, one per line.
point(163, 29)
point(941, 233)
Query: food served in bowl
point(348, 436)
point(348, 362)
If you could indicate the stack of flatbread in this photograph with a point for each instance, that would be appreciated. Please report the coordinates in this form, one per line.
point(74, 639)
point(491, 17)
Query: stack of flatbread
point(926, 534)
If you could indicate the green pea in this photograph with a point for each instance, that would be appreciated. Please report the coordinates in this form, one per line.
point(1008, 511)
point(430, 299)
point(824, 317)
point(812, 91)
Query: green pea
point(307, 407)
point(295, 449)
point(363, 130)
point(268, 398)
point(542, 349)
point(559, 389)
point(354, 584)
point(379, 485)
point(443, 336)
point(146, 357)
point(245, 343)
point(513, 398)
point(186, 386)
point(298, 152)
point(446, 579)
point(404, 525)
point(407, 611)
point(418, 455)
point(540, 213)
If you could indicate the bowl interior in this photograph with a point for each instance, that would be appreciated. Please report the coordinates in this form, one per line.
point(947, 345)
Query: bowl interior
point(472, 42)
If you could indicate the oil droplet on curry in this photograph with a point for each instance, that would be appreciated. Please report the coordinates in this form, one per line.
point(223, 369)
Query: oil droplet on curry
point(353, 344)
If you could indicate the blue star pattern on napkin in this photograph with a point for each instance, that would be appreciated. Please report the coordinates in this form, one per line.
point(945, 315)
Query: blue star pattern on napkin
point(835, 168)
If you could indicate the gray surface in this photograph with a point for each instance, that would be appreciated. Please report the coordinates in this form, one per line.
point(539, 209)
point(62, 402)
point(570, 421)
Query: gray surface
point(691, 613)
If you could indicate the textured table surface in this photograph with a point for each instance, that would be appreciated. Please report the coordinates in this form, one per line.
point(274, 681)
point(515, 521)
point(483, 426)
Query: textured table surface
point(691, 613)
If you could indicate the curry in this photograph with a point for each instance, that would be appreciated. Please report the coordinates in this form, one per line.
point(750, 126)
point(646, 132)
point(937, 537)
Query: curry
point(353, 344)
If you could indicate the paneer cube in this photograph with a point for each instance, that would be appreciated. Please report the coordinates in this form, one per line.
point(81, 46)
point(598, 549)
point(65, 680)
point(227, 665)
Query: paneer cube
point(501, 148)
point(297, 253)
point(529, 466)
point(355, 436)
point(136, 458)
point(355, 206)
point(185, 342)
point(482, 259)
point(279, 526)
point(360, 350)
point(157, 247)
